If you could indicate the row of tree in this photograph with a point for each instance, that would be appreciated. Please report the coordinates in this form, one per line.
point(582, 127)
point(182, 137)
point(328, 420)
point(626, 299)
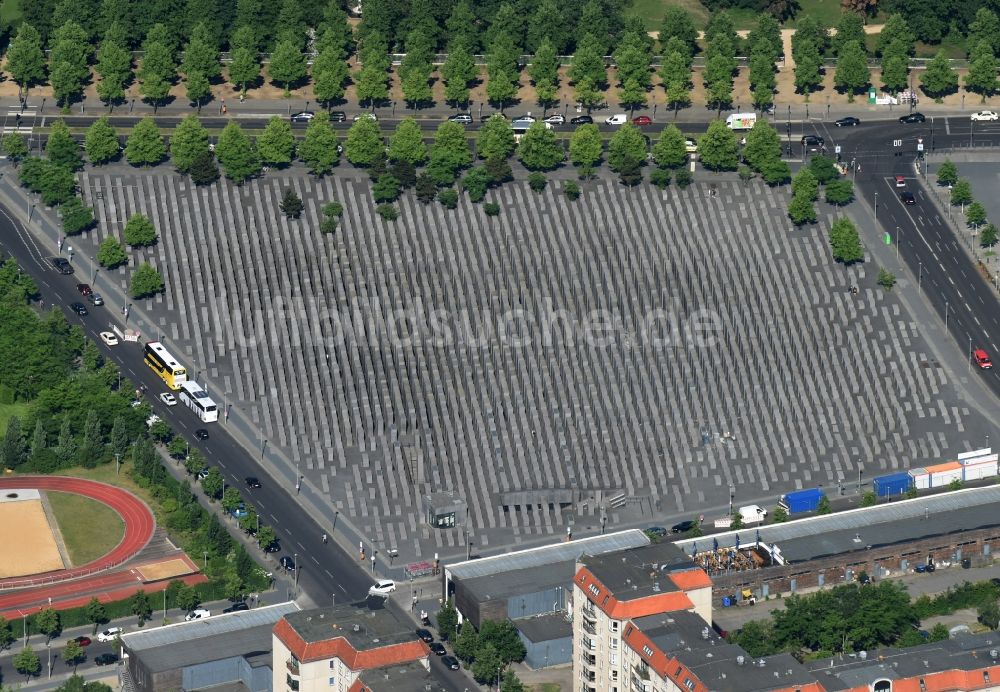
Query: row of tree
point(487, 651)
point(961, 195)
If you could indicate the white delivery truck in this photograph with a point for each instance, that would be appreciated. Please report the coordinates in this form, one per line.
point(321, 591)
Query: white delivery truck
point(741, 121)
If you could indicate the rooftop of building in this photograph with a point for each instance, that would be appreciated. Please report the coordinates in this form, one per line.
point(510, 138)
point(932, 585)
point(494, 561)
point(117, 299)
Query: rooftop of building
point(348, 632)
point(893, 523)
point(964, 653)
point(639, 572)
point(410, 677)
point(244, 633)
point(518, 582)
point(545, 628)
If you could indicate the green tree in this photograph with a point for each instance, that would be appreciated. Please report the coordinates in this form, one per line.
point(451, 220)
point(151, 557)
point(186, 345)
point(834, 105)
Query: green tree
point(318, 150)
point(145, 146)
point(140, 607)
point(886, 279)
point(386, 188)
point(588, 63)
point(114, 66)
point(779, 515)
point(938, 633)
point(805, 184)
point(586, 146)
point(95, 613)
point(939, 79)
point(212, 483)
point(627, 144)
point(73, 653)
point(895, 69)
point(25, 57)
point(503, 636)
point(266, 536)
point(501, 69)
point(407, 143)
point(197, 88)
point(845, 242)
point(718, 77)
point(975, 215)
point(13, 449)
point(330, 73)
point(449, 154)
point(190, 138)
point(68, 61)
point(276, 144)
point(156, 72)
point(76, 216)
point(14, 146)
point(824, 506)
point(961, 192)
point(988, 613)
point(947, 173)
point(146, 281)
point(988, 236)
point(496, 138)
point(187, 598)
point(511, 683)
point(291, 205)
point(763, 145)
point(26, 662)
point(985, 27)
point(101, 142)
point(364, 144)
point(204, 170)
point(486, 664)
point(839, 192)
point(244, 69)
point(850, 28)
point(801, 210)
point(476, 182)
point(678, 23)
point(48, 622)
point(896, 30)
point(458, 70)
point(66, 444)
point(718, 149)
point(539, 150)
point(544, 72)
point(111, 254)
point(467, 642)
point(982, 75)
point(807, 69)
point(447, 621)
point(670, 150)
point(139, 231)
point(287, 66)
point(755, 638)
point(202, 54)
point(852, 73)
point(237, 154)
point(61, 148)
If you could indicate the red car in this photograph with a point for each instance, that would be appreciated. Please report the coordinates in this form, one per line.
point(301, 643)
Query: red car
point(84, 289)
point(642, 120)
point(81, 640)
point(982, 360)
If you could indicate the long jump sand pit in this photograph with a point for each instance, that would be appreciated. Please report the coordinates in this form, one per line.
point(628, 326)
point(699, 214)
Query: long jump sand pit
point(29, 545)
point(155, 571)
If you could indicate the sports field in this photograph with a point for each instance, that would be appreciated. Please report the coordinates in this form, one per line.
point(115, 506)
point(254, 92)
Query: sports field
point(25, 534)
point(89, 528)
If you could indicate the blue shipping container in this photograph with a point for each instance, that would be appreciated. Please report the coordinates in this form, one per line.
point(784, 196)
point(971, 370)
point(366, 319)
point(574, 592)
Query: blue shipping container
point(893, 484)
point(802, 500)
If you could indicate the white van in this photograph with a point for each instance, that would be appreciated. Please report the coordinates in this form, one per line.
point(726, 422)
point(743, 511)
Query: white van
point(741, 121)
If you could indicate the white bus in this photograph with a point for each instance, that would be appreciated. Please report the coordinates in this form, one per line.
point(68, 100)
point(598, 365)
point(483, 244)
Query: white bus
point(197, 399)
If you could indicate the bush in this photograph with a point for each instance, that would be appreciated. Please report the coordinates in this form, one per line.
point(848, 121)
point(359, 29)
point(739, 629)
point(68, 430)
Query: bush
point(386, 189)
point(387, 212)
point(572, 191)
point(537, 181)
point(886, 279)
point(746, 173)
point(492, 209)
point(684, 178)
point(146, 282)
point(76, 216)
point(476, 182)
point(661, 178)
point(331, 217)
point(585, 172)
point(448, 197)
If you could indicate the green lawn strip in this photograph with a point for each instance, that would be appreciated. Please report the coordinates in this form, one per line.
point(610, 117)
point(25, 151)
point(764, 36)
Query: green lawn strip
point(89, 528)
point(10, 12)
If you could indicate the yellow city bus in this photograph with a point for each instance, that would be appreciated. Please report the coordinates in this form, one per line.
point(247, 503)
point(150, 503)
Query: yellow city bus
point(165, 365)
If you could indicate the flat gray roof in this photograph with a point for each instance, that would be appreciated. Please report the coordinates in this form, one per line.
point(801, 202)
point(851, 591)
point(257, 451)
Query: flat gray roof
point(245, 633)
point(366, 624)
point(411, 677)
point(545, 628)
point(638, 572)
point(892, 523)
point(521, 581)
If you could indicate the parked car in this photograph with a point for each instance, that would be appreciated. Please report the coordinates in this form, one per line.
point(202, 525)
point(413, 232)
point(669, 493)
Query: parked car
point(368, 114)
point(683, 527)
point(849, 121)
point(338, 116)
point(202, 475)
point(287, 563)
point(982, 359)
point(303, 116)
point(581, 120)
point(425, 635)
point(81, 640)
point(812, 141)
point(617, 119)
point(272, 547)
point(382, 587)
point(62, 265)
point(451, 663)
point(252, 482)
point(236, 607)
point(907, 198)
point(168, 398)
point(463, 118)
point(557, 119)
point(84, 289)
point(985, 115)
point(438, 648)
point(642, 120)
point(690, 146)
point(913, 118)
point(201, 434)
point(197, 614)
point(79, 308)
point(95, 298)
point(109, 338)
point(656, 532)
point(110, 634)
point(105, 659)
point(526, 118)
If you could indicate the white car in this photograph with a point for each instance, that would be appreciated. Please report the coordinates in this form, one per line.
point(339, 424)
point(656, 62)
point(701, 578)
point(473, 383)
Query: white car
point(524, 119)
point(198, 614)
point(109, 338)
point(383, 587)
point(369, 115)
point(690, 146)
point(985, 115)
point(110, 634)
point(557, 119)
point(617, 119)
point(168, 398)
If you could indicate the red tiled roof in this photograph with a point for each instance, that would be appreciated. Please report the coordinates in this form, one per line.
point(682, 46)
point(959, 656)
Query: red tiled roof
point(663, 602)
point(339, 647)
point(948, 681)
point(691, 579)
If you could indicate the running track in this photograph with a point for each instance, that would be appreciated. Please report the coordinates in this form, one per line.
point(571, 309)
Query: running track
point(139, 524)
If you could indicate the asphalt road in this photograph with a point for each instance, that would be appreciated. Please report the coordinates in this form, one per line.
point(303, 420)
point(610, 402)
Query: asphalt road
point(326, 572)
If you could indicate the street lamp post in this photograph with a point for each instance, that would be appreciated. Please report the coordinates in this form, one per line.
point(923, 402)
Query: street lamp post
point(946, 306)
point(118, 457)
point(732, 496)
point(876, 206)
point(897, 243)
point(920, 276)
point(861, 470)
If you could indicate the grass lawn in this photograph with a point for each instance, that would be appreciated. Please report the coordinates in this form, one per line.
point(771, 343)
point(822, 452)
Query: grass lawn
point(7, 410)
point(89, 528)
point(10, 12)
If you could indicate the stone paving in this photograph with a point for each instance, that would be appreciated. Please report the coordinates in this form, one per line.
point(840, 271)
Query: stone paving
point(448, 351)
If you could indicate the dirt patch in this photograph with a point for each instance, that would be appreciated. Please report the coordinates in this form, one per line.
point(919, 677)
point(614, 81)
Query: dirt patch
point(27, 540)
point(167, 569)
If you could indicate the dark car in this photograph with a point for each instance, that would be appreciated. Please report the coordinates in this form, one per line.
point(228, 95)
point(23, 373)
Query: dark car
point(425, 635)
point(683, 527)
point(656, 532)
point(273, 547)
point(79, 309)
point(201, 434)
point(81, 640)
point(287, 563)
point(849, 121)
point(62, 265)
point(642, 120)
point(303, 116)
point(812, 141)
point(252, 482)
point(907, 198)
point(84, 289)
point(438, 648)
point(582, 120)
point(451, 662)
point(912, 118)
point(105, 659)
point(995, 581)
point(236, 607)
point(338, 117)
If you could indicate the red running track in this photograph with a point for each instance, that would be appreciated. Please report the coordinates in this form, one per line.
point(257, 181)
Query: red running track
point(139, 524)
